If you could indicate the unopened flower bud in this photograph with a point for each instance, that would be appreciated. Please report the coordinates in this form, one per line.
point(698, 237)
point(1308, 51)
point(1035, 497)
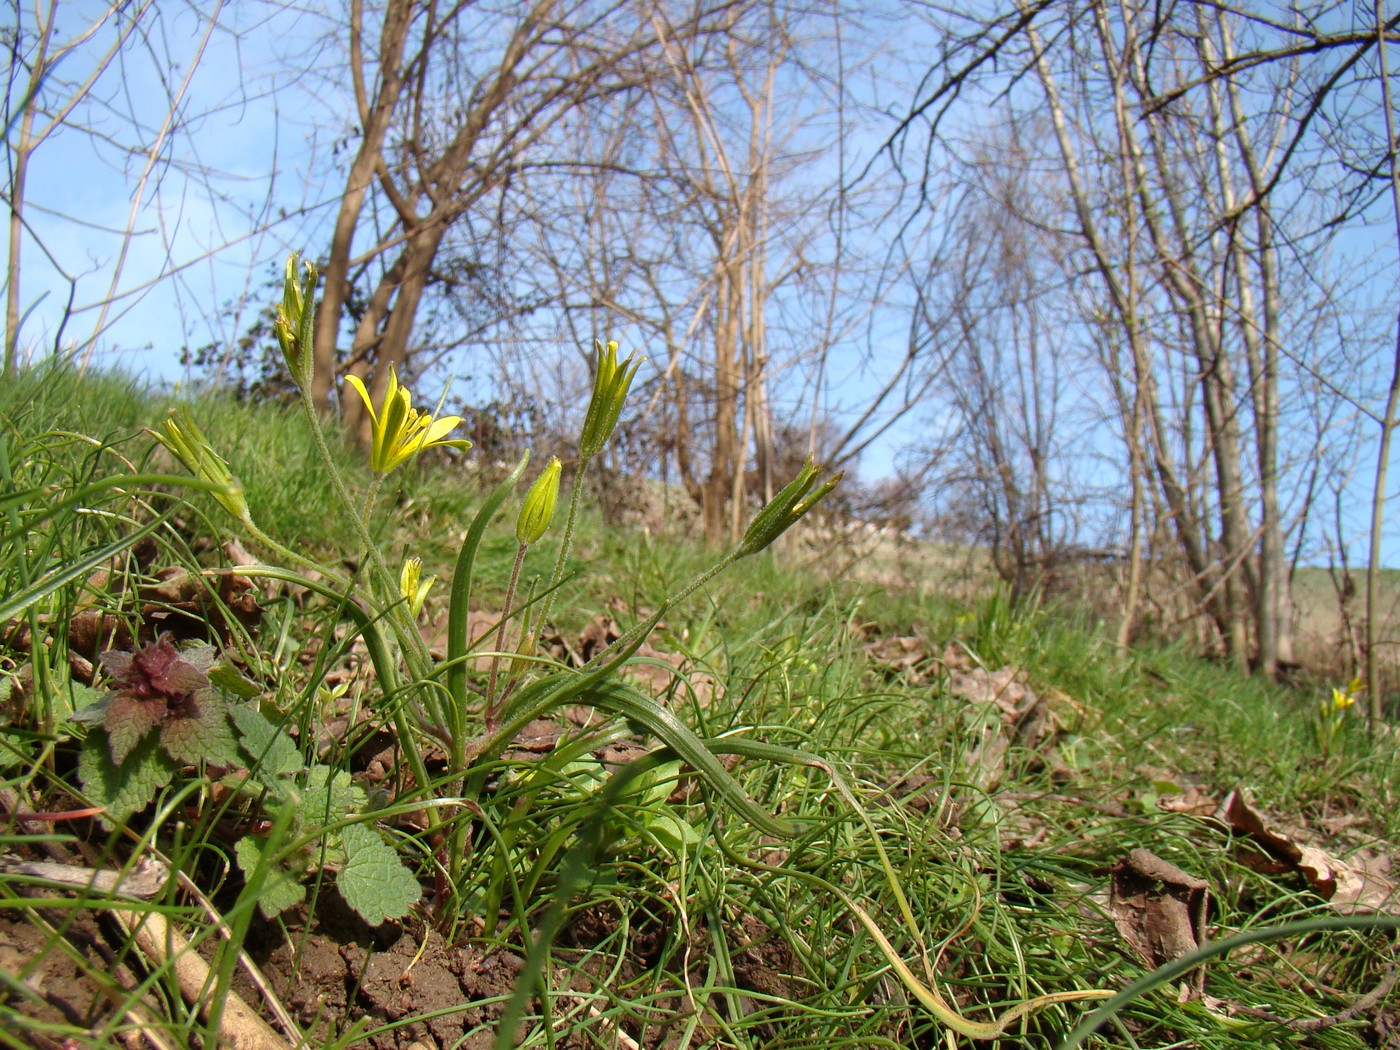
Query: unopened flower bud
point(795, 500)
point(413, 587)
point(610, 385)
point(296, 318)
point(183, 438)
point(538, 509)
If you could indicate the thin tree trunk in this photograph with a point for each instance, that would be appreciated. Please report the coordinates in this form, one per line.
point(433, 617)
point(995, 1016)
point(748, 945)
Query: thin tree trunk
point(1186, 523)
point(1389, 420)
point(375, 118)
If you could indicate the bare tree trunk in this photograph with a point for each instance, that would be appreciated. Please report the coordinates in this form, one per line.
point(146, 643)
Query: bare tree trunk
point(376, 114)
point(1391, 417)
point(1184, 518)
point(21, 173)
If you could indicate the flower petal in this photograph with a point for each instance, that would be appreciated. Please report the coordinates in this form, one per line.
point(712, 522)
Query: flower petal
point(359, 386)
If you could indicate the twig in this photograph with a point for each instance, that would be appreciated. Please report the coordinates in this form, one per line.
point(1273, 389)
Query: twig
point(141, 882)
point(259, 979)
point(240, 1026)
point(1317, 1024)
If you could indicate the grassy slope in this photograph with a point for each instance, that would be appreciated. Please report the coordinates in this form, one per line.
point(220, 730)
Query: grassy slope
point(1004, 876)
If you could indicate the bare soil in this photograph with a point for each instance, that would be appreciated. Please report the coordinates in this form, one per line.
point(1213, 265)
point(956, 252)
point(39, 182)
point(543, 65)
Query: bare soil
point(400, 987)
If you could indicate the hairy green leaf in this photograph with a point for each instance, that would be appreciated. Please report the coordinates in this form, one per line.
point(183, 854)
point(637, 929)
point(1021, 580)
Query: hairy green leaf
point(330, 795)
point(205, 736)
point(127, 788)
point(228, 679)
point(281, 890)
point(271, 752)
point(374, 881)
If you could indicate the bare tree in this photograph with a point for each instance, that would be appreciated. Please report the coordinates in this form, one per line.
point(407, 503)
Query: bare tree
point(466, 106)
point(1184, 146)
point(39, 102)
point(131, 94)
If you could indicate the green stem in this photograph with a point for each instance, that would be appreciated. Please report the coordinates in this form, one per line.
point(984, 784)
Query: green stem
point(384, 667)
point(381, 576)
point(630, 638)
point(291, 555)
point(414, 650)
point(560, 562)
point(490, 714)
point(371, 494)
point(459, 614)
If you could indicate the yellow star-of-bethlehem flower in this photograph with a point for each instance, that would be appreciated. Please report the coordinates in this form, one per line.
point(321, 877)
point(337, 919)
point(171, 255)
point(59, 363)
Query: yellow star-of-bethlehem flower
point(400, 430)
point(1340, 700)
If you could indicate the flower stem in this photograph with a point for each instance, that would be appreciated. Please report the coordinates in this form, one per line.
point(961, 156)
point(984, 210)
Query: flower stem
point(564, 546)
point(490, 714)
point(290, 555)
point(411, 643)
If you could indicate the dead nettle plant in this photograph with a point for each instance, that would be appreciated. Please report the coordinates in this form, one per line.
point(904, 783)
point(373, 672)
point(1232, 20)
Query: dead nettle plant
point(167, 709)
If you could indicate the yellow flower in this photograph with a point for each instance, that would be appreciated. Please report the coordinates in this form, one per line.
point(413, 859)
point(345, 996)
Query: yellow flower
point(413, 587)
point(1340, 700)
point(400, 430)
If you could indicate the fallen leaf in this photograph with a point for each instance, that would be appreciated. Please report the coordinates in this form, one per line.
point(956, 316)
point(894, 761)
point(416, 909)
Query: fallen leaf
point(1159, 909)
point(955, 657)
point(1004, 688)
point(1190, 799)
point(902, 653)
point(1347, 888)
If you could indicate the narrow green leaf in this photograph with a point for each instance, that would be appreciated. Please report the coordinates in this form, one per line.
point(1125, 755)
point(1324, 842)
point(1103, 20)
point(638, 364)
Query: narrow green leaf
point(622, 699)
point(457, 611)
point(50, 582)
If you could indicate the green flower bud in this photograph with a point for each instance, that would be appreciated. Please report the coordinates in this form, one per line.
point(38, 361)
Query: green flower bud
point(296, 318)
point(188, 444)
point(795, 500)
point(610, 385)
point(538, 509)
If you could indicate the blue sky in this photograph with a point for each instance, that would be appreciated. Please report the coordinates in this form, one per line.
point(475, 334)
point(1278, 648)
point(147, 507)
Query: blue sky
point(200, 242)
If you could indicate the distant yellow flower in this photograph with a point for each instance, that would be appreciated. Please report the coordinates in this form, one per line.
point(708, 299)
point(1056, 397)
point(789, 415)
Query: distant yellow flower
point(400, 430)
point(1340, 700)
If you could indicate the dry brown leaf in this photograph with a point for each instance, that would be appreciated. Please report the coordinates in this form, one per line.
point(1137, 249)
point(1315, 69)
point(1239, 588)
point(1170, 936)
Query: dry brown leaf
point(1004, 688)
point(1191, 800)
point(902, 653)
point(986, 763)
point(1346, 887)
point(538, 737)
point(1159, 909)
point(955, 657)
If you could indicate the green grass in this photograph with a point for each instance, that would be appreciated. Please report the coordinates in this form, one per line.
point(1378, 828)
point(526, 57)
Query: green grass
point(722, 935)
